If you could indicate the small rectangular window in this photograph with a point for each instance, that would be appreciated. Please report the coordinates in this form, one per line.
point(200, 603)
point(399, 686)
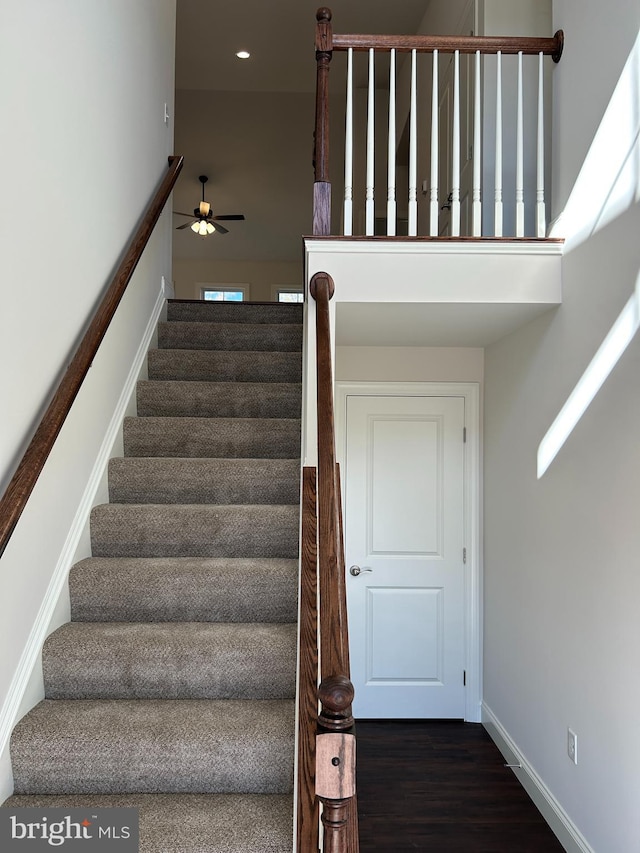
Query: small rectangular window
point(223, 292)
point(285, 295)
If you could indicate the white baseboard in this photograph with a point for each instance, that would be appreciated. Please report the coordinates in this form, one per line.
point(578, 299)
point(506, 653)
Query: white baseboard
point(12, 705)
point(563, 827)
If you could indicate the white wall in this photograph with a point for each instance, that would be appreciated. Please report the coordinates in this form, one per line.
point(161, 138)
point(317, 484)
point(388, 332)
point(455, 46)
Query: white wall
point(261, 276)
point(409, 364)
point(561, 580)
point(84, 145)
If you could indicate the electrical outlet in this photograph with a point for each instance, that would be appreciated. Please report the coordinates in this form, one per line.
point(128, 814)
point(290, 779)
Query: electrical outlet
point(572, 745)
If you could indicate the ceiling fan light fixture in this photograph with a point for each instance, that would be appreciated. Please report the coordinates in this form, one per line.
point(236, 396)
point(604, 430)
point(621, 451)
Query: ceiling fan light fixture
point(243, 54)
point(210, 228)
point(205, 207)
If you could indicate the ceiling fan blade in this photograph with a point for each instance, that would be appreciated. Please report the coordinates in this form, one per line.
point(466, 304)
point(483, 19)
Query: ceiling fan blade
point(220, 228)
point(186, 225)
point(178, 213)
point(229, 216)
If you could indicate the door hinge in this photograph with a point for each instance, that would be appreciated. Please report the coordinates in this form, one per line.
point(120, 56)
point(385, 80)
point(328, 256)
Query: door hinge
point(464, 435)
point(464, 556)
point(464, 677)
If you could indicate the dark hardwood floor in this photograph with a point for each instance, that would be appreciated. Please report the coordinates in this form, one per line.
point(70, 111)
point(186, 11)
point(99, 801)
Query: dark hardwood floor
point(442, 786)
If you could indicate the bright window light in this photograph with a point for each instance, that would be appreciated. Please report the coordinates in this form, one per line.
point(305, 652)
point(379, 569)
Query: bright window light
point(290, 296)
point(601, 365)
point(223, 295)
point(609, 181)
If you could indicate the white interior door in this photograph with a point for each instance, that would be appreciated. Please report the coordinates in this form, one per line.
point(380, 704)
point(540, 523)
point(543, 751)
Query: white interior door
point(404, 531)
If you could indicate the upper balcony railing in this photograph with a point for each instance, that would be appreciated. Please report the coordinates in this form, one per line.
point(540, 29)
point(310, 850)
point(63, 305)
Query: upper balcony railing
point(467, 114)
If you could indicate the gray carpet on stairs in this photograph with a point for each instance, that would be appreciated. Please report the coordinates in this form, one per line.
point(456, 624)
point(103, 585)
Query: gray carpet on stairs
point(194, 823)
point(211, 365)
point(170, 660)
point(184, 589)
point(271, 438)
point(229, 336)
point(109, 746)
point(219, 481)
point(171, 690)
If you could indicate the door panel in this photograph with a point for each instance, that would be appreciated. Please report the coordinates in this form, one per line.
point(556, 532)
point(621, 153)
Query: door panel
point(404, 530)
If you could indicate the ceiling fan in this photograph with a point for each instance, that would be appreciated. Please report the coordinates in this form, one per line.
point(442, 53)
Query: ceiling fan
point(205, 222)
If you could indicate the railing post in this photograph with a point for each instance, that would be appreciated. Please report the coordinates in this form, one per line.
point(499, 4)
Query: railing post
point(322, 184)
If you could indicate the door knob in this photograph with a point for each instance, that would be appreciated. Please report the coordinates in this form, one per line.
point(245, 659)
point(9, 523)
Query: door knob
point(356, 570)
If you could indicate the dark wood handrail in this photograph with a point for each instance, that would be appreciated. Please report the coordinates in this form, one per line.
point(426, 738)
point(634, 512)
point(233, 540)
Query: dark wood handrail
point(335, 759)
point(308, 809)
point(23, 481)
point(448, 44)
point(334, 647)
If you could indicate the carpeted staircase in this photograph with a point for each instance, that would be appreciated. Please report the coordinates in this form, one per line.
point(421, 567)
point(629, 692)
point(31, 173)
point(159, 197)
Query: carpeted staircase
point(172, 688)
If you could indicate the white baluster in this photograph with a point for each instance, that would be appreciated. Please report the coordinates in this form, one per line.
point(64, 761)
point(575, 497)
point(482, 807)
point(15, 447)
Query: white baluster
point(413, 157)
point(519, 156)
point(497, 230)
point(433, 207)
point(477, 153)
point(369, 201)
point(348, 150)
point(391, 156)
point(541, 225)
point(455, 149)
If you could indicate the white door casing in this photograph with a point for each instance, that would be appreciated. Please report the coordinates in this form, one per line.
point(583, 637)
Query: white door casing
point(411, 503)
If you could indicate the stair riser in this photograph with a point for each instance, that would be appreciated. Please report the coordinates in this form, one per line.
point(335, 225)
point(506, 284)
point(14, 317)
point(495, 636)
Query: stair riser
point(120, 530)
point(189, 590)
point(229, 336)
point(170, 661)
point(218, 400)
point(212, 438)
point(216, 481)
point(212, 366)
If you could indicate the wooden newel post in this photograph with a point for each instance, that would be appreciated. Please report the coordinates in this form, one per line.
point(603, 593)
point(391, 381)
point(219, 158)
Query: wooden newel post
point(335, 695)
point(336, 764)
point(322, 184)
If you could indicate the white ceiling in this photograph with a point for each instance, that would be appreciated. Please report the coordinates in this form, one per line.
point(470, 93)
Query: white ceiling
point(431, 324)
point(248, 124)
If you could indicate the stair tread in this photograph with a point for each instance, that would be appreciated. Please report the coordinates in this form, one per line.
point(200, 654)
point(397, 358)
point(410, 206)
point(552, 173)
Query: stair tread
point(171, 398)
point(168, 479)
point(224, 365)
point(170, 660)
point(154, 745)
point(193, 823)
point(230, 336)
point(272, 438)
point(202, 530)
point(224, 589)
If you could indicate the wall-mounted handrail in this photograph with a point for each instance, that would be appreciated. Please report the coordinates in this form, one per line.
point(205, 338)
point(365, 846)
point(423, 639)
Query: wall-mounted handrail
point(335, 741)
point(23, 481)
point(451, 147)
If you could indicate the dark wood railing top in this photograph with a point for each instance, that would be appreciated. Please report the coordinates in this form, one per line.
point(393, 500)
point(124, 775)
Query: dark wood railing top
point(327, 41)
point(448, 44)
point(21, 485)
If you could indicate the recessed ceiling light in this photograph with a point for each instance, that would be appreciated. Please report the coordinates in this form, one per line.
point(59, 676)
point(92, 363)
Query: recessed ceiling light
point(243, 54)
